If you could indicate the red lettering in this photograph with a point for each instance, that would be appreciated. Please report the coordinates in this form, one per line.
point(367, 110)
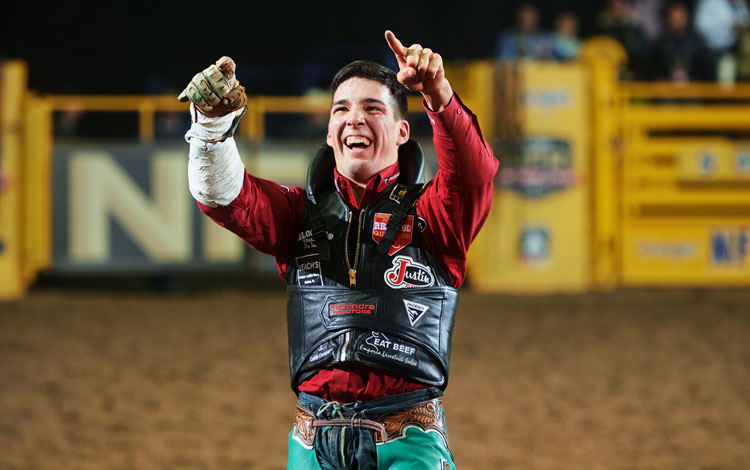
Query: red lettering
point(398, 277)
point(351, 309)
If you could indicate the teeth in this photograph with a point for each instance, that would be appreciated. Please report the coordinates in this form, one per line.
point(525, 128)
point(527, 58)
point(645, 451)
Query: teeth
point(352, 140)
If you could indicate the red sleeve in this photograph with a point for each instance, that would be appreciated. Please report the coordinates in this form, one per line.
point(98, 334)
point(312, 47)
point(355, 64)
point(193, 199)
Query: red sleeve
point(266, 215)
point(456, 202)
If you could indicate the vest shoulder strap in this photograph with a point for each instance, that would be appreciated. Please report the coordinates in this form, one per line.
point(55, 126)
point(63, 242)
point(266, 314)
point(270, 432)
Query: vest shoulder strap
point(406, 197)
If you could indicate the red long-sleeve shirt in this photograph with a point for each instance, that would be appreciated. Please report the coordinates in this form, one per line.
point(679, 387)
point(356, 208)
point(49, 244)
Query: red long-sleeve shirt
point(455, 205)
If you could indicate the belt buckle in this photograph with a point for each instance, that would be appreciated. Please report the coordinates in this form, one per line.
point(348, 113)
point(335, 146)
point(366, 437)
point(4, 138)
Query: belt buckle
point(304, 432)
point(426, 415)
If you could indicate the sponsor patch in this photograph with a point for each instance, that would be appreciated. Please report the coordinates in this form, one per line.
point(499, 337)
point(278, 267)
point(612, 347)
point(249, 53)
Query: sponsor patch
point(390, 179)
point(403, 237)
point(306, 239)
point(351, 308)
point(407, 273)
point(414, 310)
point(323, 351)
point(308, 273)
point(378, 344)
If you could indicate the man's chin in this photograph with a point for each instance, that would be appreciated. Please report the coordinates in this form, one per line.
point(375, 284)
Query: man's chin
point(358, 154)
point(359, 171)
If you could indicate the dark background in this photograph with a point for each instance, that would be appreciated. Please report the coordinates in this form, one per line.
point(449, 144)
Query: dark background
point(280, 47)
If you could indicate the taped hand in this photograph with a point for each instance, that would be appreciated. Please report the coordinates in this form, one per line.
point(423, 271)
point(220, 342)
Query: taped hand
point(216, 91)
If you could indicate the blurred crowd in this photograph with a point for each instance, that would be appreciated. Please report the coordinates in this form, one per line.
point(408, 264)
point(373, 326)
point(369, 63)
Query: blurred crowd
point(708, 40)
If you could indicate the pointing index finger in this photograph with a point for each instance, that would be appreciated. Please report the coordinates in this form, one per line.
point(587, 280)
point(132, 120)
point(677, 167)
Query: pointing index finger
point(395, 45)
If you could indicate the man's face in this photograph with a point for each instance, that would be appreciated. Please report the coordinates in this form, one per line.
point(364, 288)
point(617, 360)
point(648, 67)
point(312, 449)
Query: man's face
point(364, 130)
point(678, 19)
point(528, 19)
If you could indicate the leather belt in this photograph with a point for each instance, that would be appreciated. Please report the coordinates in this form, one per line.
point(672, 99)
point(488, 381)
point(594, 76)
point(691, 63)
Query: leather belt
point(354, 423)
point(426, 415)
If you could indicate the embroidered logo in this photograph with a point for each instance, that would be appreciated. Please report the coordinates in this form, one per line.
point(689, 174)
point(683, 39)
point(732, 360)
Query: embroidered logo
point(323, 351)
point(414, 311)
point(408, 273)
point(378, 340)
point(403, 237)
point(378, 344)
point(306, 239)
point(351, 308)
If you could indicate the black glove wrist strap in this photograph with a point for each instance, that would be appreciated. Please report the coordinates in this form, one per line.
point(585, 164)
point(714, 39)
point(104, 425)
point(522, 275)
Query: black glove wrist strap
point(232, 128)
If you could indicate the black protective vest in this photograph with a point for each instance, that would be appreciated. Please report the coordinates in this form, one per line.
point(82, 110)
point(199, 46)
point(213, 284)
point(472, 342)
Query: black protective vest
point(362, 287)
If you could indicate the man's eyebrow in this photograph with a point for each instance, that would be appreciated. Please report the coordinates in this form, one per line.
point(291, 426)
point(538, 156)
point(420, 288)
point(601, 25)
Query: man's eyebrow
point(373, 100)
point(364, 100)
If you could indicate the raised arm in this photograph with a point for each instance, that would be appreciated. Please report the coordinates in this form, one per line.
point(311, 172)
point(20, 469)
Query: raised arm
point(457, 201)
point(421, 70)
point(264, 214)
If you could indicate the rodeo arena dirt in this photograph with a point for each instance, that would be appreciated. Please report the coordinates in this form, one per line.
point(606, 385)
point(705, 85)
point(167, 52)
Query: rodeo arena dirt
point(636, 379)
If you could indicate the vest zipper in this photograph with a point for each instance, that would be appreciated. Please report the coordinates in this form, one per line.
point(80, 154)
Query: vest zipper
point(343, 357)
point(352, 270)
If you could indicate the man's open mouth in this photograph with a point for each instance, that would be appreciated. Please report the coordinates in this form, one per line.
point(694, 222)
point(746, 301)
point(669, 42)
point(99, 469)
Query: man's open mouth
point(357, 142)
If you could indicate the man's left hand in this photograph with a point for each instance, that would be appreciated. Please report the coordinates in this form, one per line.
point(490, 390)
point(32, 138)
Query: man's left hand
point(421, 70)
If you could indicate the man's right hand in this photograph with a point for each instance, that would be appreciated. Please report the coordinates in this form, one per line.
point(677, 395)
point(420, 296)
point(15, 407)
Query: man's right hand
point(216, 91)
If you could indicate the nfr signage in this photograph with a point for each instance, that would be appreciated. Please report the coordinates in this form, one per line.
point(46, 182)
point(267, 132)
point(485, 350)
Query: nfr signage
point(129, 207)
point(730, 246)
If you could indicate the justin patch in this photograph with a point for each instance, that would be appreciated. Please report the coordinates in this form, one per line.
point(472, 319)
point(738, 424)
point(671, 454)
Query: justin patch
point(407, 273)
point(403, 237)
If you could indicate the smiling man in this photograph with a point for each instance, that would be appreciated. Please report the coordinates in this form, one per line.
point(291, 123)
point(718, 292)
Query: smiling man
point(366, 126)
point(372, 255)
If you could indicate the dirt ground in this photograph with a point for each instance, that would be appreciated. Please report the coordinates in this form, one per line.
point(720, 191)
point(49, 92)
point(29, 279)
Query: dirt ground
point(629, 380)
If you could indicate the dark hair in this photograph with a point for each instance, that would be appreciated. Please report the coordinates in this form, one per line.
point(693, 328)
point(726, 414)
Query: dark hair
point(373, 71)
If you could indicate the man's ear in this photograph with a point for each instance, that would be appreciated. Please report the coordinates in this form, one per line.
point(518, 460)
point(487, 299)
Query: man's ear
point(403, 132)
point(329, 140)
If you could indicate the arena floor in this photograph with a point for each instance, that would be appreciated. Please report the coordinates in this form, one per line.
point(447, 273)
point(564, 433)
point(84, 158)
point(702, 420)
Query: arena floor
point(630, 380)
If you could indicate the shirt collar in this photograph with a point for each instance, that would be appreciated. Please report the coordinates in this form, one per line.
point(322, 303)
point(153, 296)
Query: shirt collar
point(375, 186)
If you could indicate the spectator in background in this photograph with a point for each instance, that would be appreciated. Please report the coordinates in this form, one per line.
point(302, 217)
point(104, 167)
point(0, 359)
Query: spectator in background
point(743, 55)
point(718, 23)
point(618, 22)
point(527, 40)
point(565, 41)
point(680, 55)
point(647, 14)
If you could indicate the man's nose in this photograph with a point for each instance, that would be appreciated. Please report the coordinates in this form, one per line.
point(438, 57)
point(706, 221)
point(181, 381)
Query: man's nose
point(355, 118)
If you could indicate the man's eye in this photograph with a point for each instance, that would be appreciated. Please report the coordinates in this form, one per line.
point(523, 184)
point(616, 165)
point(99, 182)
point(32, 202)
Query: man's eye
point(339, 109)
point(373, 108)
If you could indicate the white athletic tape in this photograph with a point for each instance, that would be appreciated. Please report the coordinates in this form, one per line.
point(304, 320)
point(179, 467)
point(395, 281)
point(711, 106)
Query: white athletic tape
point(215, 171)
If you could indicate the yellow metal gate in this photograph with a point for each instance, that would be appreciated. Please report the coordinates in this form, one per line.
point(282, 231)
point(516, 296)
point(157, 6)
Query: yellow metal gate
point(685, 183)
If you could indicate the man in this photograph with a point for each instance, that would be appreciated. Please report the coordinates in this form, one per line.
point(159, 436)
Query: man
point(372, 256)
point(527, 40)
point(618, 21)
point(680, 55)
